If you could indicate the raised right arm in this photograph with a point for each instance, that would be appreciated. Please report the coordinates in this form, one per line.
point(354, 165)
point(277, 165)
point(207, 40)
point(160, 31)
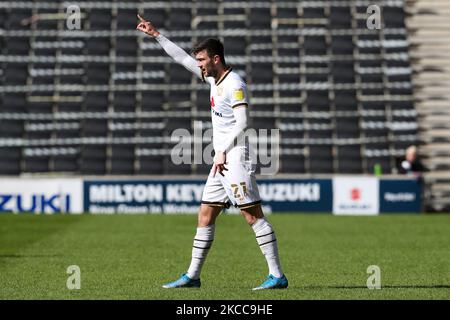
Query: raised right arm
point(174, 51)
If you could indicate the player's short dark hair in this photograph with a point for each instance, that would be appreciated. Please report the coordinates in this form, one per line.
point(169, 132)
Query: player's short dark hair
point(212, 47)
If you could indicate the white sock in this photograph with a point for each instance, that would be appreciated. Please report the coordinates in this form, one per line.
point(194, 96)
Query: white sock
point(265, 236)
point(202, 242)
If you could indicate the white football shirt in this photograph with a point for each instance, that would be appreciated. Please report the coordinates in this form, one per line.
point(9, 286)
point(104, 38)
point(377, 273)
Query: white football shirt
point(228, 93)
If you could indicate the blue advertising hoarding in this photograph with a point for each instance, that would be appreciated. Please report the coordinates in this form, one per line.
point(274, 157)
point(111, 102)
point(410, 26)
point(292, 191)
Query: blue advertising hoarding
point(184, 196)
point(398, 196)
point(277, 195)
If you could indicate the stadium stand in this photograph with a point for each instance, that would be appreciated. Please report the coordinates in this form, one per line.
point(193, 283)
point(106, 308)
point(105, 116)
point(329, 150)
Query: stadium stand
point(339, 92)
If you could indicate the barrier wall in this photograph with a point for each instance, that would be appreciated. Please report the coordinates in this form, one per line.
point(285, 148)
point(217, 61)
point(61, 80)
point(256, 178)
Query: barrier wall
point(343, 195)
point(184, 196)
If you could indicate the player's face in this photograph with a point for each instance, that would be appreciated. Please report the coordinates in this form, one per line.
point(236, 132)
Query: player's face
point(206, 64)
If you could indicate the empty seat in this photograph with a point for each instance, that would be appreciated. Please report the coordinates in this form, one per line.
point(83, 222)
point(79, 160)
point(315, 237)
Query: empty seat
point(16, 74)
point(16, 46)
point(349, 159)
point(171, 168)
point(92, 167)
point(260, 18)
point(321, 159)
point(345, 100)
point(371, 78)
point(93, 152)
point(36, 164)
point(158, 16)
point(97, 73)
point(124, 102)
point(122, 166)
point(312, 13)
point(95, 101)
point(340, 17)
point(179, 96)
point(234, 46)
point(65, 164)
point(347, 127)
point(343, 72)
point(152, 101)
point(11, 154)
point(126, 19)
point(202, 169)
point(94, 127)
point(98, 46)
point(315, 45)
point(263, 123)
point(9, 167)
point(342, 44)
point(286, 13)
point(13, 102)
point(11, 129)
point(100, 19)
point(41, 107)
point(394, 17)
point(176, 123)
point(122, 152)
point(292, 164)
point(126, 46)
point(151, 165)
point(261, 73)
point(180, 19)
point(179, 74)
point(3, 18)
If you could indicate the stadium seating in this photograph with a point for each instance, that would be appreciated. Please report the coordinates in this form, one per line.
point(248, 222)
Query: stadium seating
point(105, 99)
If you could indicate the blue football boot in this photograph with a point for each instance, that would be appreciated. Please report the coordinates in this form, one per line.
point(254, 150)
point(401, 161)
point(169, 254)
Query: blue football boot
point(183, 282)
point(274, 283)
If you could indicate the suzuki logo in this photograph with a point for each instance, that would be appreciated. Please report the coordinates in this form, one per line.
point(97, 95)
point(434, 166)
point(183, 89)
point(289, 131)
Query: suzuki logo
point(212, 102)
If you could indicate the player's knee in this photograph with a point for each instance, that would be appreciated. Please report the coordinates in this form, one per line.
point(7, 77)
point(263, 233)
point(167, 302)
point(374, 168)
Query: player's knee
point(250, 218)
point(207, 216)
point(204, 221)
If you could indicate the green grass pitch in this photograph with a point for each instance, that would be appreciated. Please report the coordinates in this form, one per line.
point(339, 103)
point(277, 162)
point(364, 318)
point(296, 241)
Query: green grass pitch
point(130, 257)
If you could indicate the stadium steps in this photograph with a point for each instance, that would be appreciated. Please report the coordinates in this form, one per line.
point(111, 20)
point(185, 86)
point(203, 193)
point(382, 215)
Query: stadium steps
point(428, 23)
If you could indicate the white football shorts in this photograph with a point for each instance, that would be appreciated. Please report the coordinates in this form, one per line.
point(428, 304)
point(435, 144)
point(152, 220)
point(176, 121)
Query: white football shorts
point(238, 185)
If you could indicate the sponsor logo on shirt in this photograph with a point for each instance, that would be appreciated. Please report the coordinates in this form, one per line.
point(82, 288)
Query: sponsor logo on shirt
point(238, 94)
point(219, 114)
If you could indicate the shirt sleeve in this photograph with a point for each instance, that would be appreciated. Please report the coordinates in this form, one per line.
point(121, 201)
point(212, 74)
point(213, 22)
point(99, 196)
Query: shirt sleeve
point(241, 116)
point(238, 95)
point(180, 56)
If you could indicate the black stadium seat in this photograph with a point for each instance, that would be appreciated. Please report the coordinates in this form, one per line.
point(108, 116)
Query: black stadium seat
point(340, 94)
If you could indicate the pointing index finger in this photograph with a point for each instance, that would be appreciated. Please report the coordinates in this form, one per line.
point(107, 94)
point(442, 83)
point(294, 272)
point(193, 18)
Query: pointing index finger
point(140, 18)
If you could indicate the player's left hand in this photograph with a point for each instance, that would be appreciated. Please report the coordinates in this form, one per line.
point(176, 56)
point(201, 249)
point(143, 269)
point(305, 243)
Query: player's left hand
point(219, 163)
